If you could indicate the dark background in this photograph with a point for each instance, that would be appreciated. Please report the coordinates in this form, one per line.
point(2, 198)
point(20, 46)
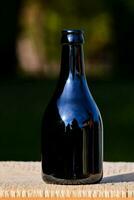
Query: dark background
point(30, 34)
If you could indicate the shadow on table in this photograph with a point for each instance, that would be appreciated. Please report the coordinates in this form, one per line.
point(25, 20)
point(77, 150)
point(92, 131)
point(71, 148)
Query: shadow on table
point(119, 178)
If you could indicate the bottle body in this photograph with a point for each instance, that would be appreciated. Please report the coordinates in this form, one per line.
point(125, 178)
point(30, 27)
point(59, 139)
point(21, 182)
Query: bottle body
point(72, 130)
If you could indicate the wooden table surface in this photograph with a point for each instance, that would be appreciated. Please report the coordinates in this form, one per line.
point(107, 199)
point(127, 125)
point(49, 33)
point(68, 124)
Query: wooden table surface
point(23, 180)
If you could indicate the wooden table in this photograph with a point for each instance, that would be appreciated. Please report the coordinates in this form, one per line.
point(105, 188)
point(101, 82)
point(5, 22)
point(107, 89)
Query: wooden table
point(23, 180)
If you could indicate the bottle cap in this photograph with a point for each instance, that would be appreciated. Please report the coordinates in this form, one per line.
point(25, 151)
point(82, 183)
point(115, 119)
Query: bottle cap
point(70, 36)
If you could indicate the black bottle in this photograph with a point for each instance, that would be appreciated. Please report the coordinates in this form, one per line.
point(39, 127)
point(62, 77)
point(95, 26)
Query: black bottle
point(72, 129)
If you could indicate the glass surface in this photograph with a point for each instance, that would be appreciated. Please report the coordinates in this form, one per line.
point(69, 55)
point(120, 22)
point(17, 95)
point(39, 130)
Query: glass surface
point(72, 128)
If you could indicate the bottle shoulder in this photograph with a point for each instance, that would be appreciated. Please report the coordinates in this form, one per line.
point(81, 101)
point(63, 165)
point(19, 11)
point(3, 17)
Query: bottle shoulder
point(75, 102)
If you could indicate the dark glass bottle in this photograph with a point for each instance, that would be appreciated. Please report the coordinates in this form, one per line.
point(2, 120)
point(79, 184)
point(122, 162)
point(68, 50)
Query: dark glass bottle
point(72, 128)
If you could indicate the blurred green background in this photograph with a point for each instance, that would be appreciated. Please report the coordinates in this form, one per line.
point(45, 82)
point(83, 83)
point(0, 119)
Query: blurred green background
point(30, 51)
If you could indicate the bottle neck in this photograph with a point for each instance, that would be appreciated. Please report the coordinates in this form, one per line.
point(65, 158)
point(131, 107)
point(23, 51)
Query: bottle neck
point(72, 61)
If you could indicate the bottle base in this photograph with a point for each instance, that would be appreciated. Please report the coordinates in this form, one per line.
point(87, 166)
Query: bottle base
point(92, 179)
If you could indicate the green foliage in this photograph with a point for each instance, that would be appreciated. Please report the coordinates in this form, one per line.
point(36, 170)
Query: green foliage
point(68, 15)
